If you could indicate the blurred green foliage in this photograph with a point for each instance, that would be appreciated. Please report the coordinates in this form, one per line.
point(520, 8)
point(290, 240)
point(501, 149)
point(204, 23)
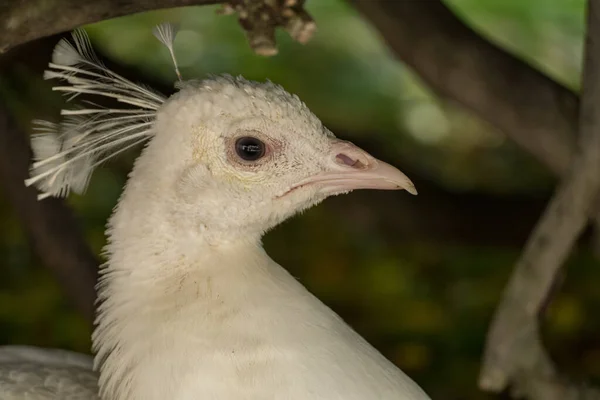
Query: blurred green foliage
point(425, 304)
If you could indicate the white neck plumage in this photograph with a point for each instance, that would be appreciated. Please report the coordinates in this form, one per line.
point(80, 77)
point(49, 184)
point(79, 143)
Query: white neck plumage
point(162, 277)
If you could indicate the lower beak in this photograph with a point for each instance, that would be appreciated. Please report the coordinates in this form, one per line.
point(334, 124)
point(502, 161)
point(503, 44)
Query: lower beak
point(351, 168)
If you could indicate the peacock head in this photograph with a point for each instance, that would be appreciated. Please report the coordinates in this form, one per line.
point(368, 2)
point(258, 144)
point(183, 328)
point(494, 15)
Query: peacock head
point(237, 156)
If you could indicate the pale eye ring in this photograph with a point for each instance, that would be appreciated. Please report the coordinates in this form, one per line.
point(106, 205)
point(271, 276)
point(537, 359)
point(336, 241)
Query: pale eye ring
point(249, 148)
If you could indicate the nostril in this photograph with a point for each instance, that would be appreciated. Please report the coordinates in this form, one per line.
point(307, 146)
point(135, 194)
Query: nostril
point(344, 159)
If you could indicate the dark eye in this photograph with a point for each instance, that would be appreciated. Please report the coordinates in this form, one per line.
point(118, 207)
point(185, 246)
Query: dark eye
point(249, 148)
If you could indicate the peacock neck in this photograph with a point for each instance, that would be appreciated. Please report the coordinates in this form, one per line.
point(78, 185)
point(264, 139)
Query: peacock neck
point(161, 273)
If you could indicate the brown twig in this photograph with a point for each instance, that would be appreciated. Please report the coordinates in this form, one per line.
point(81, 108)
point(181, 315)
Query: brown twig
point(260, 19)
point(514, 352)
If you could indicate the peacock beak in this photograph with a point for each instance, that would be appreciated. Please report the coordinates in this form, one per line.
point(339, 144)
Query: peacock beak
point(351, 168)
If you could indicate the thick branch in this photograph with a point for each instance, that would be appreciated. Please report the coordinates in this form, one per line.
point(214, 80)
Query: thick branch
point(513, 349)
point(49, 223)
point(530, 108)
point(27, 20)
point(22, 21)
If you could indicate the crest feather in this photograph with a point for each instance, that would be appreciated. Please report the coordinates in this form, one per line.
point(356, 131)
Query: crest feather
point(166, 33)
point(65, 154)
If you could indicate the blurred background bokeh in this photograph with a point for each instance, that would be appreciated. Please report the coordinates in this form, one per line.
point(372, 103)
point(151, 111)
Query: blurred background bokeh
point(419, 277)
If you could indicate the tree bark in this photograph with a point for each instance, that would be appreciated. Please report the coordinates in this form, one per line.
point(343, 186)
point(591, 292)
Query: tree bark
point(22, 21)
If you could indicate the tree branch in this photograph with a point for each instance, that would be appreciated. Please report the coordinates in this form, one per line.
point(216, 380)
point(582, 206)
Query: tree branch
point(530, 108)
point(258, 18)
point(513, 351)
point(49, 223)
point(27, 20)
point(534, 111)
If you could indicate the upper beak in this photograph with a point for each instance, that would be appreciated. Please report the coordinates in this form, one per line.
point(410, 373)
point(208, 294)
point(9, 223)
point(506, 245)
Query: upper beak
point(350, 168)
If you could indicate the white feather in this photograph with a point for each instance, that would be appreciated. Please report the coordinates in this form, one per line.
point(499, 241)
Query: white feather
point(65, 54)
point(66, 153)
point(166, 33)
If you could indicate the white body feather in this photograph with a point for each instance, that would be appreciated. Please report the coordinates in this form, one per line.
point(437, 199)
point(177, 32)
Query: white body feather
point(191, 305)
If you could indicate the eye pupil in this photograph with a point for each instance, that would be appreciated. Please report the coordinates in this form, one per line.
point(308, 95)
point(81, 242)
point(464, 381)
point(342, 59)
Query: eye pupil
point(249, 148)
